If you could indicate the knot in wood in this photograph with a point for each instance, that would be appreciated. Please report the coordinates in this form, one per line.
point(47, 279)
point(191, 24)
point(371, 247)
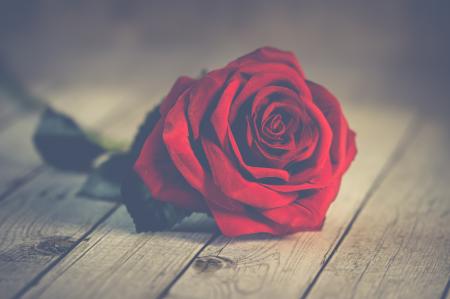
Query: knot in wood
point(212, 263)
point(54, 245)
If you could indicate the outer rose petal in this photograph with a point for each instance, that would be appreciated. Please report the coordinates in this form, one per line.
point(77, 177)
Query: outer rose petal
point(233, 224)
point(306, 213)
point(269, 54)
point(178, 144)
point(343, 137)
point(219, 118)
point(178, 88)
point(160, 175)
point(204, 94)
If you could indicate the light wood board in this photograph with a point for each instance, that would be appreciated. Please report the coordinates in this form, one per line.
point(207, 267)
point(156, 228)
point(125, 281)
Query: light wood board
point(115, 262)
point(399, 247)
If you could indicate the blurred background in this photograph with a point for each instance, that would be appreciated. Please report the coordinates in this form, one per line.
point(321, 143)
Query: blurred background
point(106, 50)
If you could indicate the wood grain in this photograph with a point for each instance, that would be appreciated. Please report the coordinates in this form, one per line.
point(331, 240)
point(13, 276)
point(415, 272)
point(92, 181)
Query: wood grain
point(267, 267)
point(39, 223)
point(115, 262)
point(399, 247)
point(18, 158)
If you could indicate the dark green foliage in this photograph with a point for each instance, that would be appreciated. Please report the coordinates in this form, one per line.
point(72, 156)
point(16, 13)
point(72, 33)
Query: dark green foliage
point(63, 144)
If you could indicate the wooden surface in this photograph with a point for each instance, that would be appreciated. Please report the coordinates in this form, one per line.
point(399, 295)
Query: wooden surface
point(386, 235)
point(399, 247)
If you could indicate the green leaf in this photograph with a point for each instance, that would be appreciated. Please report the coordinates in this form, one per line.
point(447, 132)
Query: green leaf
point(63, 144)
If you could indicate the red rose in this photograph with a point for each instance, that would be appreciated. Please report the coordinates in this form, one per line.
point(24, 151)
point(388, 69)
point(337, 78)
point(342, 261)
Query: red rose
point(254, 143)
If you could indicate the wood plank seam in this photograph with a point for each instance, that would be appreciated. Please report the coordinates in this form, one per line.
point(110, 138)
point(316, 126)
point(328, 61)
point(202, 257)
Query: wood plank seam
point(399, 245)
point(407, 139)
point(445, 293)
point(48, 268)
point(22, 181)
point(186, 267)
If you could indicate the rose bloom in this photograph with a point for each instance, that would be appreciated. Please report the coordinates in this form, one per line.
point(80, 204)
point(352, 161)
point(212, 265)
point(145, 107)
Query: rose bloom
point(255, 144)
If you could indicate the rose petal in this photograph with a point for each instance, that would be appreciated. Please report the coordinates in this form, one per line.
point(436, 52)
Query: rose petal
point(219, 118)
point(332, 110)
point(313, 171)
point(255, 171)
point(312, 180)
point(305, 213)
point(160, 175)
point(288, 105)
point(228, 178)
point(178, 144)
point(269, 54)
point(233, 224)
point(178, 88)
point(269, 77)
point(204, 95)
point(219, 121)
point(341, 152)
point(281, 153)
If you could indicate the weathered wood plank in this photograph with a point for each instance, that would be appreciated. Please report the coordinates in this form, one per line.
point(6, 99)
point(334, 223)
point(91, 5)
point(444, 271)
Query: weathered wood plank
point(18, 158)
point(266, 267)
point(245, 266)
point(115, 262)
point(43, 219)
point(39, 223)
point(399, 246)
